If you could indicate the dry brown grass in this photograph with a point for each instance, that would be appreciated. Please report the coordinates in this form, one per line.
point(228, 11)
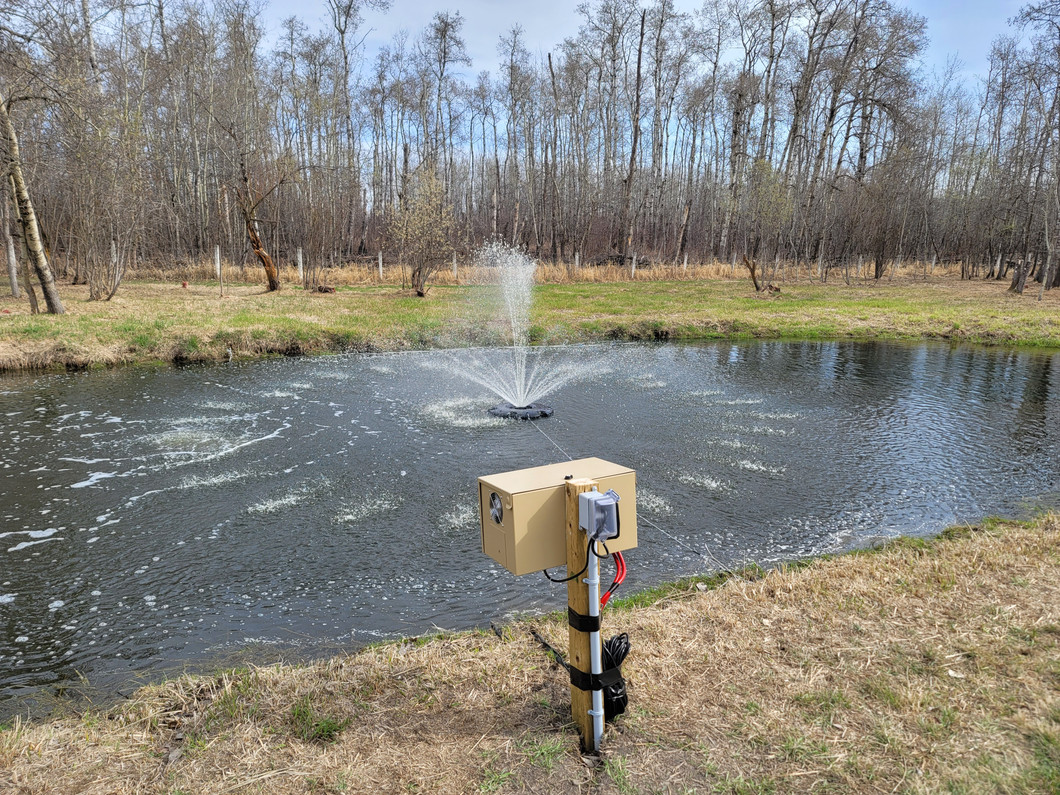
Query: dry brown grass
point(925, 667)
point(367, 273)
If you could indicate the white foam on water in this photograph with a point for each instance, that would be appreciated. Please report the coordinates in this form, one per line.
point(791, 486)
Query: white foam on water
point(288, 500)
point(218, 447)
point(279, 393)
point(369, 507)
point(462, 517)
point(22, 639)
point(93, 479)
point(463, 413)
point(199, 481)
point(56, 604)
point(222, 405)
point(758, 466)
point(7, 598)
point(652, 503)
point(47, 533)
point(704, 482)
point(735, 444)
point(25, 544)
point(767, 431)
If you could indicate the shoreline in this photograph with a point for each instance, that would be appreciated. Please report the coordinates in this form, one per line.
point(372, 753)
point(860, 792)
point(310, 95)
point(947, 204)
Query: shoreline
point(929, 664)
point(158, 323)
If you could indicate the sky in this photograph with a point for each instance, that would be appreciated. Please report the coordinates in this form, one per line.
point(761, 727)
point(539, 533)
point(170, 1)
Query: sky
point(964, 28)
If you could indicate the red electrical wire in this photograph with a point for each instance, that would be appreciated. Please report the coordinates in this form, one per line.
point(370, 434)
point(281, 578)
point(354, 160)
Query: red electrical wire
point(620, 577)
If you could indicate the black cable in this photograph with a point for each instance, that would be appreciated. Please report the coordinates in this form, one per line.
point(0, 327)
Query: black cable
point(556, 654)
point(579, 574)
point(615, 650)
point(616, 699)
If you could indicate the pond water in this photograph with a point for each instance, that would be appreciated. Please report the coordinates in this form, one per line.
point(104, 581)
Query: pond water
point(153, 519)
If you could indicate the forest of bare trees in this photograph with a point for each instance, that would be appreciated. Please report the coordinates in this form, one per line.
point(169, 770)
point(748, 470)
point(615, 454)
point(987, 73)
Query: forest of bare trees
point(788, 131)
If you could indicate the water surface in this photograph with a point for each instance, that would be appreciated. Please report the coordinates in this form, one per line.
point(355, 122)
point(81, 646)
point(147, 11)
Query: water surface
point(160, 518)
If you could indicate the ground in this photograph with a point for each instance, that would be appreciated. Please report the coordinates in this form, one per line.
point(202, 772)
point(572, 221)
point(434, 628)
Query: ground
point(928, 666)
point(151, 321)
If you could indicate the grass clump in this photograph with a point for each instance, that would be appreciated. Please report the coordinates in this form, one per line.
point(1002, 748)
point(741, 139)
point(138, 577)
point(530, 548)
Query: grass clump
point(310, 726)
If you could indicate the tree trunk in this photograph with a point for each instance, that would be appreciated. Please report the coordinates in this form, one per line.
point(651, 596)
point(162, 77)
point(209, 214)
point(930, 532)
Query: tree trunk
point(628, 218)
point(27, 216)
point(271, 274)
point(9, 245)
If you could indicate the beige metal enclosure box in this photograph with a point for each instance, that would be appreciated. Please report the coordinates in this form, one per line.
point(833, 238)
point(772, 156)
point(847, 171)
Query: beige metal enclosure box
point(524, 512)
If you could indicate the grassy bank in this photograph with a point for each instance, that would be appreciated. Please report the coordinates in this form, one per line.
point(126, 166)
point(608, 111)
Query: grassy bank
point(154, 321)
point(925, 667)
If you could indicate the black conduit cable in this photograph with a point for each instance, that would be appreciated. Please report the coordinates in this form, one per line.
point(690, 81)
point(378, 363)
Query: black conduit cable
point(579, 574)
point(558, 655)
point(616, 699)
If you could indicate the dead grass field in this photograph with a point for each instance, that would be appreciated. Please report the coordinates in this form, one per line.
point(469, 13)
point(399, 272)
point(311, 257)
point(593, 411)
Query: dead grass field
point(925, 667)
point(161, 321)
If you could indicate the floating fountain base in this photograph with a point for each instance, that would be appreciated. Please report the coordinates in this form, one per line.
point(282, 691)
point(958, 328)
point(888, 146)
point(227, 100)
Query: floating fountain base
point(532, 412)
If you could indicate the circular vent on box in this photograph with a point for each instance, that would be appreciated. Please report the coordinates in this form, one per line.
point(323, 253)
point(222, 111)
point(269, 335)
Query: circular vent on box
point(496, 509)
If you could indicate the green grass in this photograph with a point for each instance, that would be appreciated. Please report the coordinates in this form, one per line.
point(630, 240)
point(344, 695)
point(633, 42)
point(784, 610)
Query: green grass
point(310, 726)
point(149, 321)
point(544, 752)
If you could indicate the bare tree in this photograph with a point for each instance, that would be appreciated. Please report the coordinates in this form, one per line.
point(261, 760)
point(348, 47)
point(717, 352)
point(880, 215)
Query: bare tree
point(27, 215)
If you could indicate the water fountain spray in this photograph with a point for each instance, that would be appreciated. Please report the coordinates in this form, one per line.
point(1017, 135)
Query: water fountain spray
point(520, 375)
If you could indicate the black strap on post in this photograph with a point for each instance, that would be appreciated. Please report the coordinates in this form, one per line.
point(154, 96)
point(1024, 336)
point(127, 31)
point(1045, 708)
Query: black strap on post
point(584, 681)
point(582, 623)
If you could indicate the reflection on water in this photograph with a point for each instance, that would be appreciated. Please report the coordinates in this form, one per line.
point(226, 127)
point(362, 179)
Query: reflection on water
point(166, 517)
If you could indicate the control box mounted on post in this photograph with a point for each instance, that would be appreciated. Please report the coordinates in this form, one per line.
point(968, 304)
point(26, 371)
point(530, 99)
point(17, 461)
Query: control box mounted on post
point(523, 512)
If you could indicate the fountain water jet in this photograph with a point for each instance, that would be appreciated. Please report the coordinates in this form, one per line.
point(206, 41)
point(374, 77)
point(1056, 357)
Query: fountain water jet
point(520, 375)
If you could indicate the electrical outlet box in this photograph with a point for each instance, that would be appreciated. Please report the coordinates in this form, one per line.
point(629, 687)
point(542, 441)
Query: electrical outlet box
point(524, 512)
point(598, 514)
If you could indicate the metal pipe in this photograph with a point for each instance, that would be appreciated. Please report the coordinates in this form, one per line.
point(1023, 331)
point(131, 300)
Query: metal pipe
point(595, 653)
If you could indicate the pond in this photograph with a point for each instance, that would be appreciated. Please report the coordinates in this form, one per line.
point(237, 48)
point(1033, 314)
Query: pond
point(155, 519)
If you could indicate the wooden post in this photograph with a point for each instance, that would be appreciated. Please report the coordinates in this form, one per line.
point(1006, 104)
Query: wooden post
point(380, 266)
point(685, 266)
point(217, 260)
point(577, 260)
point(301, 272)
point(633, 267)
point(581, 701)
point(454, 266)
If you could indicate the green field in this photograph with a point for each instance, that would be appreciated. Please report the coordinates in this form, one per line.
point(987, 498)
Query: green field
point(163, 322)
